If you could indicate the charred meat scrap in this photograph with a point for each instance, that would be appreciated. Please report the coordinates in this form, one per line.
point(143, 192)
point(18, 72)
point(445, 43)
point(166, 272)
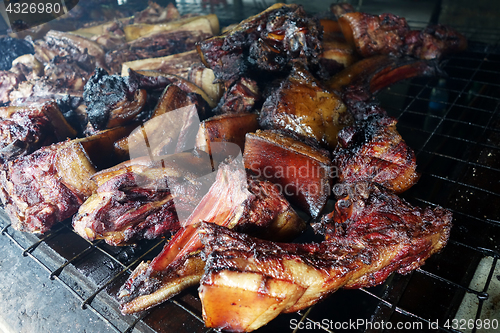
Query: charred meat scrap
point(235, 201)
point(23, 129)
point(11, 48)
point(139, 199)
point(374, 151)
point(265, 42)
point(390, 34)
point(369, 235)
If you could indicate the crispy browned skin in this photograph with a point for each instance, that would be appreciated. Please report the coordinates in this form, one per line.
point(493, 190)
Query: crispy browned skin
point(256, 207)
point(302, 106)
point(266, 41)
point(374, 151)
point(371, 233)
point(390, 34)
point(303, 173)
point(25, 129)
point(138, 199)
point(226, 128)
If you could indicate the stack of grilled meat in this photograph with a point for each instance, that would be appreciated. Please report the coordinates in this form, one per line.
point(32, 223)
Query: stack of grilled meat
point(226, 149)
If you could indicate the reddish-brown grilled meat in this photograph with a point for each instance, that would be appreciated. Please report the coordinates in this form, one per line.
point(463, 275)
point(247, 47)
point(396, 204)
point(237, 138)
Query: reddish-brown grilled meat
point(390, 34)
point(25, 129)
point(374, 151)
point(371, 233)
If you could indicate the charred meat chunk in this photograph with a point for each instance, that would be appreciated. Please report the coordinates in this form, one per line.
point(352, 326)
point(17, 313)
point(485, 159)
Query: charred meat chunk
point(248, 281)
point(11, 48)
point(434, 42)
point(374, 151)
point(265, 42)
point(112, 100)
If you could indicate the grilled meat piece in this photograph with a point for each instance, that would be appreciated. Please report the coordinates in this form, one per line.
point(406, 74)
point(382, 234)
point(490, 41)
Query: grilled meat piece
point(112, 100)
point(47, 186)
point(434, 42)
point(153, 46)
point(373, 151)
point(390, 34)
point(11, 48)
point(155, 13)
point(9, 82)
point(239, 98)
point(303, 107)
point(264, 42)
point(369, 235)
point(303, 173)
point(358, 83)
point(24, 129)
point(339, 9)
point(138, 199)
point(257, 207)
point(57, 43)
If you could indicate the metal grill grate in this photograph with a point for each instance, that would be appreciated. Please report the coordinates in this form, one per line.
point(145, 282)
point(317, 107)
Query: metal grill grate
point(457, 142)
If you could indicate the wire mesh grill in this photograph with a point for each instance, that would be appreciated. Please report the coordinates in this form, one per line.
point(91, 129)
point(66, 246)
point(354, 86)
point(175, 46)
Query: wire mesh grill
point(453, 124)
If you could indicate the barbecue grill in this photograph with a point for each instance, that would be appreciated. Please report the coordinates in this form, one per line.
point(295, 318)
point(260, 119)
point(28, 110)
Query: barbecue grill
point(453, 124)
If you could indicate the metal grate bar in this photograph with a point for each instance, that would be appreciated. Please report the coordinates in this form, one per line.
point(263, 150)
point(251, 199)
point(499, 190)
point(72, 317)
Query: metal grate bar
point(75, 294)
point(89, 299)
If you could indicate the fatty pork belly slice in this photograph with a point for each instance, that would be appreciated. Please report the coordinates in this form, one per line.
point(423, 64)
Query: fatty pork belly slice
point(370, 234)
point(302, 106)
point(374, 151)
point(303, 173)
point(23, 129)
point(139, 199)
point(256, 207)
